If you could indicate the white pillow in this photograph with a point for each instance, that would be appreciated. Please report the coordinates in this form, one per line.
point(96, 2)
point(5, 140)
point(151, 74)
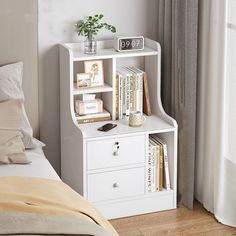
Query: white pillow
point(11, 82)
point(11, 88)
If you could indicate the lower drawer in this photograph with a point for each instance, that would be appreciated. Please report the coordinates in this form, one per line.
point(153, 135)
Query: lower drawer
point(116, 184)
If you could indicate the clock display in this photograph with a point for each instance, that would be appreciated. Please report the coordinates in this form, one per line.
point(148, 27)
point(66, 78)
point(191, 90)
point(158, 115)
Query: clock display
point(130, 43)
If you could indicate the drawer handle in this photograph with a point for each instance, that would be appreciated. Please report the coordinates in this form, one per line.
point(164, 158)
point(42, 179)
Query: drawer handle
point(116, 153)
point(116, 185)
point(117, 147)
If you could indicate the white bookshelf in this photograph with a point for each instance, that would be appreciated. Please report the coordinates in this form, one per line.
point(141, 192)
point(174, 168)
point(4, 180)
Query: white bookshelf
point(115, 184)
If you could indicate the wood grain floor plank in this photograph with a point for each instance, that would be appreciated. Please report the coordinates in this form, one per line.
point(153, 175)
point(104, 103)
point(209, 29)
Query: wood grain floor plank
point(179, 222)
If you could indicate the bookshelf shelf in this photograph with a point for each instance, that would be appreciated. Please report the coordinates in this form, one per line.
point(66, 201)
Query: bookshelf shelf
point(153, 124)
point(111, 53)
point(116, 182)
point(100, 89)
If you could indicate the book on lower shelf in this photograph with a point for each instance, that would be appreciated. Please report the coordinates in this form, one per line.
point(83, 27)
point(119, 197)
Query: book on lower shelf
point(96, 117)
point(152, 165)
point(157, 165)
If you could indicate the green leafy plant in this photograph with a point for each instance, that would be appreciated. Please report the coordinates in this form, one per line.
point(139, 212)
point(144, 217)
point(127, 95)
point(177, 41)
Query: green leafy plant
point(92, 25)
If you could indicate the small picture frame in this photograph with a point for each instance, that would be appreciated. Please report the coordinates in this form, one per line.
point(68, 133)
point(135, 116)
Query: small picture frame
point(95, 68)
point(83, 80)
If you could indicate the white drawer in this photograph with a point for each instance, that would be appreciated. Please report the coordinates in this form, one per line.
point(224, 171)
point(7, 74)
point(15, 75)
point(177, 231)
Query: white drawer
point(103, 153)
point(116, 184)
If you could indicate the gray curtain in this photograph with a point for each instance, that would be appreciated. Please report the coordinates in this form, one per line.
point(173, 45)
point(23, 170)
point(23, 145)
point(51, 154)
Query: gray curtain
point(177, 34)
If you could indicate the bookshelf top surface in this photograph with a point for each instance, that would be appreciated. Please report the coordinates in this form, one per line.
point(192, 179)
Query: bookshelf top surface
point(152, 124)
point(112, 53)
point(105, 50)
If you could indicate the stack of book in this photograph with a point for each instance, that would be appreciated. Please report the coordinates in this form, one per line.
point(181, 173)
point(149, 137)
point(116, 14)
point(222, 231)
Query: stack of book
point(129, 91)
point(102, 116)
point(157, 165)
point(89, 109)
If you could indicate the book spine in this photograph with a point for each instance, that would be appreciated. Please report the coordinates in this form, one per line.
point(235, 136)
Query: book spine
point(146, 97)
point(120, 97)
point(90, 120)
point(124, 94)
point(132, 93)
point(157, 167)
point(166, 169)
point(117, 96)
point(161, 170)
point(135, 92)
point(154, 164)
point(151, 170)
point(127, 95)
point(141, 92)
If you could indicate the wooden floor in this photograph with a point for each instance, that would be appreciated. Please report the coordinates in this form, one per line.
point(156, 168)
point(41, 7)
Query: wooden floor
point(179, 222)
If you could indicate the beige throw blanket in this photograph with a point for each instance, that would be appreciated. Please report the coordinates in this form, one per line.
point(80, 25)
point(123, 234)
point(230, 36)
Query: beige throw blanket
point(39, 206)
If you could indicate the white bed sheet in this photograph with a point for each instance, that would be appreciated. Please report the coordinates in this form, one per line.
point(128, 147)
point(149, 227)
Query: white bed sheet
point(39, 167)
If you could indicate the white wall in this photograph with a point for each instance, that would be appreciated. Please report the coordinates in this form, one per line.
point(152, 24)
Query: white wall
point(56, 20)
point(18, 42)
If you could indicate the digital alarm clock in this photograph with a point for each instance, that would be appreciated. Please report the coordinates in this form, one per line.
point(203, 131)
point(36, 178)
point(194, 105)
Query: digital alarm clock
point(124, 44)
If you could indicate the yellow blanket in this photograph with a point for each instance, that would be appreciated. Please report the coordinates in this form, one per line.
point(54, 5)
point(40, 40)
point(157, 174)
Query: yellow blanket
point(50, 199)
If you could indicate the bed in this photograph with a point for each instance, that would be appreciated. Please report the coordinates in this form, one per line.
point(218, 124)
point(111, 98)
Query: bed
point(33, 199)
point(39, 167)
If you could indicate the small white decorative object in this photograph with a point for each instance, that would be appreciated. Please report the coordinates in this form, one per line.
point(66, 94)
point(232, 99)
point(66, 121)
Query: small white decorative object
point(131, 43)
point(88, 97)
point(88, 107)
point(136, 119)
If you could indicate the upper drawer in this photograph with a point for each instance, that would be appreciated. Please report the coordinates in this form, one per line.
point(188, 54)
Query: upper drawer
point(115, 152)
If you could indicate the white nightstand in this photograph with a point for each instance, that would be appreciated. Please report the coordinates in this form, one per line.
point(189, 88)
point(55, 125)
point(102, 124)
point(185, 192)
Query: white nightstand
point(114, 181)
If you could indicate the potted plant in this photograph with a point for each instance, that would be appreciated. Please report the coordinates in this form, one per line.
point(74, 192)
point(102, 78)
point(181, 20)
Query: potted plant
point(89, 28)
